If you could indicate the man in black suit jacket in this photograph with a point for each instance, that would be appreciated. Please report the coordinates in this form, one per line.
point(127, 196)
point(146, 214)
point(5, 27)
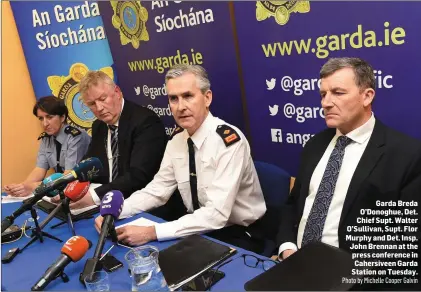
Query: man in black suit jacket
point(356, 167)
point(133, 136)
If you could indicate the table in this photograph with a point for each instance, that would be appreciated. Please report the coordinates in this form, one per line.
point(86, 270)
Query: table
point(28, 267)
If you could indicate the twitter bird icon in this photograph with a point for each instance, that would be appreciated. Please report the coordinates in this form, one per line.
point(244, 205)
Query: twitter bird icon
point(271, 84)
point(137, 89)
point(273, 110)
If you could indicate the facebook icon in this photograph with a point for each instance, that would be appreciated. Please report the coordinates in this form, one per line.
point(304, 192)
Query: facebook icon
point(276, 135)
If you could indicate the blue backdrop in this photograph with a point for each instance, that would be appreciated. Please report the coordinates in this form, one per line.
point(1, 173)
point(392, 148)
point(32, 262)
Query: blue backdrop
point(147, 37)
point(61, 41)
point(283, 47)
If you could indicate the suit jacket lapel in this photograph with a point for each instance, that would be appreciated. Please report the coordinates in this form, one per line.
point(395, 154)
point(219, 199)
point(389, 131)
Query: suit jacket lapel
point(316, 153)
point(103, 134)
point(123, 128)
point(368, 161)
point(124, 123)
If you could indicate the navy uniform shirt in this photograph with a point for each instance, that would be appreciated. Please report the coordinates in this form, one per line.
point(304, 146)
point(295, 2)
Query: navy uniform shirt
point(74, 144)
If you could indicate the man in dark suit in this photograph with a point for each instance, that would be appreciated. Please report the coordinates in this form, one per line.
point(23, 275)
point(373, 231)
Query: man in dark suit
point(129, 139)
point(356, 167)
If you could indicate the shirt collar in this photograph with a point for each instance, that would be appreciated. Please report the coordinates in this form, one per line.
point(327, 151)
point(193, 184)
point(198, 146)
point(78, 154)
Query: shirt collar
point(118, 121)
point(362, 133)
point(202, 133)
point(61, 135)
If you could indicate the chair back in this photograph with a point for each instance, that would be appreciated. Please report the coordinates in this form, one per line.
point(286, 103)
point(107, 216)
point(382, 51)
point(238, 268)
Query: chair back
point(275, 183)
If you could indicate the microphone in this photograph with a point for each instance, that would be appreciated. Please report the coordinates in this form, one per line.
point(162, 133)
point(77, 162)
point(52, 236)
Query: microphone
point(72, 251)
point(76, 190)
point(111, 207)
point(50, 179)
point(86, 170)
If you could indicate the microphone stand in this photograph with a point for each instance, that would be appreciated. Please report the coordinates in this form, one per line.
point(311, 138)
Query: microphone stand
point(37, 233)
point(66, 210)
point(75, 220)
point(94, 264)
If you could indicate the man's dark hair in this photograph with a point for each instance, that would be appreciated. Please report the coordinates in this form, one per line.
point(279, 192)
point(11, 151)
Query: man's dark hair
point(52, 106)
point(364, 75)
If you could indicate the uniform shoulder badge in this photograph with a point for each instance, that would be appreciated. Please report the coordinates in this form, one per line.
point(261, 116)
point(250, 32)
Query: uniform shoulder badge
point(72, 131)
point(177, 130)
point(228, 134)
point(43, 135)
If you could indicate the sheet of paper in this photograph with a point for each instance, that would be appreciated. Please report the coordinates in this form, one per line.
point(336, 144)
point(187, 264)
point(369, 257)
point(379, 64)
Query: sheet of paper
point(139, 222)
point(11, 199)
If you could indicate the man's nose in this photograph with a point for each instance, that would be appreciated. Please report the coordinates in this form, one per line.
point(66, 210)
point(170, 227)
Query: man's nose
point(327, 101)
point(182, 105)
point(99, 106)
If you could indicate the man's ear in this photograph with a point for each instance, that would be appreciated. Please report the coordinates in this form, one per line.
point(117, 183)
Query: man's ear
point(208, 98)
point(368, 96)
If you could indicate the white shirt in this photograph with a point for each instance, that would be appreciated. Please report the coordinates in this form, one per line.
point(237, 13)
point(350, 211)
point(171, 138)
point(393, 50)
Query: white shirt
point(352, 156)
point(229, 190)
point(93, 186)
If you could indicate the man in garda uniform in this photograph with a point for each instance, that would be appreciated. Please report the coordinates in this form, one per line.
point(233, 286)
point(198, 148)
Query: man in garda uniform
point(61, 148)
point(210, 163)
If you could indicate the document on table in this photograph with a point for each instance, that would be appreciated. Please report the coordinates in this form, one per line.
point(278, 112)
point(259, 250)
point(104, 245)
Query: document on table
point(139, 222)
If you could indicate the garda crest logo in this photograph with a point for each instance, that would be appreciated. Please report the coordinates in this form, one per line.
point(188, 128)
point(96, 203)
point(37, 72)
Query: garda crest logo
point(130, 19)
point(281, 10)
point(67, 89)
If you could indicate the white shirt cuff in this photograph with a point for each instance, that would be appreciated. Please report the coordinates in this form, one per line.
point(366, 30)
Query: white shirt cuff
point(285, 246)
point(94, 196)
point(165, 231)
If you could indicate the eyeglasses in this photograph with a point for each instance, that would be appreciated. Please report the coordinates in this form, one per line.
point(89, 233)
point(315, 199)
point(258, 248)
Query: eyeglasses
point(252, 262)
point(249, 260)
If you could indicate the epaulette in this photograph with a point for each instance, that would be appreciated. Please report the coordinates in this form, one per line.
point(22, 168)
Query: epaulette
point(177, 130)
point(72, 130)
point(43, 135)
point(228, 134)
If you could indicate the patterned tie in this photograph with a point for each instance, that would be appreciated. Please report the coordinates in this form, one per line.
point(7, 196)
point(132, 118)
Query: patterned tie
point(114, 149)
point(317, 217)
point(193, 176)
point(59, 169)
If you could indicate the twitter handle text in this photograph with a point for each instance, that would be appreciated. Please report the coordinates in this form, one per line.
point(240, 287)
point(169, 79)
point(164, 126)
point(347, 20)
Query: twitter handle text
point(151, 92)
point(302, 113)
point(300, 85)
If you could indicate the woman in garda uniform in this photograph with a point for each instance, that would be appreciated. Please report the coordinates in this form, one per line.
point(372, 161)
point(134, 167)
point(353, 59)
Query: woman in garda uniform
point(62, 146)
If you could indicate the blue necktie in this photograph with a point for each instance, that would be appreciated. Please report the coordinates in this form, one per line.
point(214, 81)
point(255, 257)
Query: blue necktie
point(316, 219)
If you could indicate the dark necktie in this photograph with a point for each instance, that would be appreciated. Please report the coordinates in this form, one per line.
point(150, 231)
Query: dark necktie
point(316, 219)
point(193, 176)
point(114, 150)
point(59, 169)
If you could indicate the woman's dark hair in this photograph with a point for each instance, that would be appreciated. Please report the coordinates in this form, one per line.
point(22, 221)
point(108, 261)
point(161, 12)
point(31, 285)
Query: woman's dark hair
point(52, 106)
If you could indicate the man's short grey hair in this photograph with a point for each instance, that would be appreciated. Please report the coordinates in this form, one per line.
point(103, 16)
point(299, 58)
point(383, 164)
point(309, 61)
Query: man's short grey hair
point(364, 75)
point(196, 70)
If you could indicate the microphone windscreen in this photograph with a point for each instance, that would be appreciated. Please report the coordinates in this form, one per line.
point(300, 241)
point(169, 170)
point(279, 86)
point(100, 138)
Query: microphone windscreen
point(75, 248)
point(50, 179)
point(112, 204)
point(88, 169)
point(76, 190)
